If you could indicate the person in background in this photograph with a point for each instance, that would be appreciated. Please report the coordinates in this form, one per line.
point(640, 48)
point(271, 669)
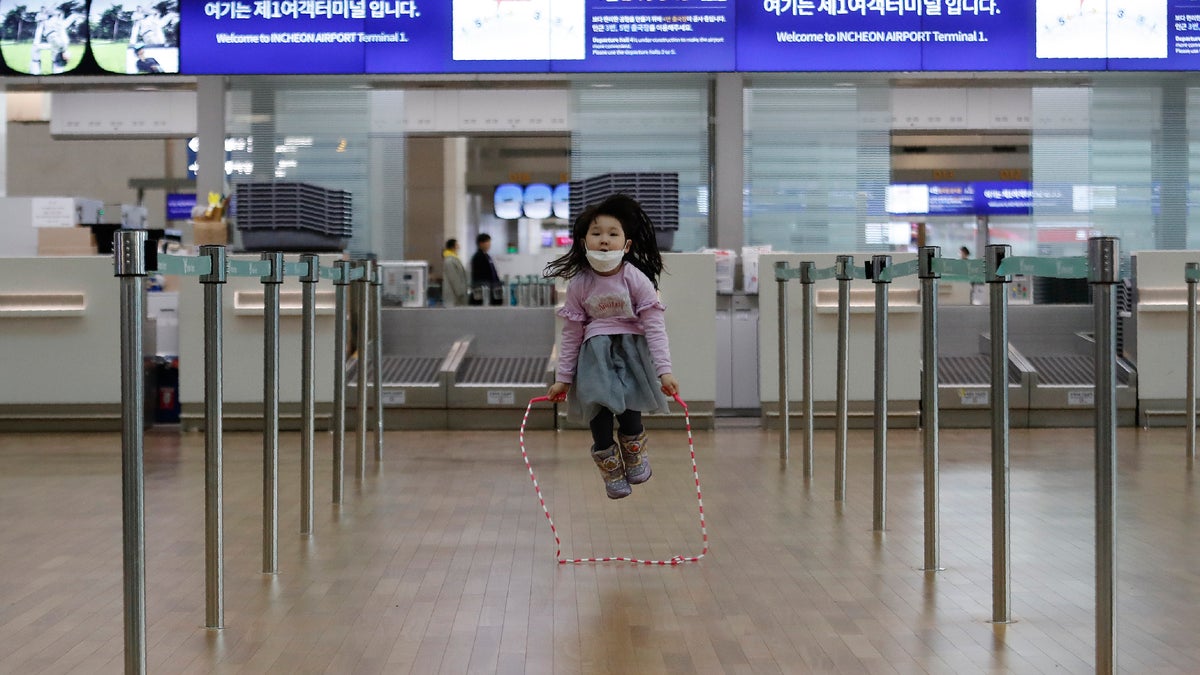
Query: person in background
point(455, 289)
point(978, 295)
point(483, 270)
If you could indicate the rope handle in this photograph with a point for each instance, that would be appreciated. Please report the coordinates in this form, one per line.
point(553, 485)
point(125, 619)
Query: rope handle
point(674, 560)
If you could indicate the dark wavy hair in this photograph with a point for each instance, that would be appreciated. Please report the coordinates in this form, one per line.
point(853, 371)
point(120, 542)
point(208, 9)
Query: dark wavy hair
point(643, 248)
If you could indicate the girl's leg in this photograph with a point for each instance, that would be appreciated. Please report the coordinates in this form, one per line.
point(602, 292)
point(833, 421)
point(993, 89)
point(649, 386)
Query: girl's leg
point(607, 456)
point(629, 423)
point(602, 429)
point(633, 446)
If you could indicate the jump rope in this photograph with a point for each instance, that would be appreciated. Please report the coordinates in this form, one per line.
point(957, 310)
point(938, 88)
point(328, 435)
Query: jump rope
point(675, 560)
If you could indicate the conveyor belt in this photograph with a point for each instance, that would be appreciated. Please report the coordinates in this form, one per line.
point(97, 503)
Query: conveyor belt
point(401, 370)
point(973, 370)
point(1069, 370)
point(503, 370)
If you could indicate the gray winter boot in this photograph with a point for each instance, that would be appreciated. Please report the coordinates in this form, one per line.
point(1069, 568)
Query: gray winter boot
point(609, 461)
point(633, 454)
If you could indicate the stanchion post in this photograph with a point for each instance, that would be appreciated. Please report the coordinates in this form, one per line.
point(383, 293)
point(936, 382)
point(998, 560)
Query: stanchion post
point(784, 396)
point(377, 356)
point(926, 256)
point(341, 283)
point(214, 554)
point(271, 283)
point(363, 373)
point(1001, 551)
point(1190, 271)
point(807, 270)
point(879, 514)
point(843, 271)
point(308, 385)
point(1103, 264)
point(129, 265)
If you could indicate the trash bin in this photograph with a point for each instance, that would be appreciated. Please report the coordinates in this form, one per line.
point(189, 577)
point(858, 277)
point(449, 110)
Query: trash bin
point(166, 409)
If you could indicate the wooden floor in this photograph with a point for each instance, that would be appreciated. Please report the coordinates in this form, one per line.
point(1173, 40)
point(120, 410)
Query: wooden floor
point(441, 560)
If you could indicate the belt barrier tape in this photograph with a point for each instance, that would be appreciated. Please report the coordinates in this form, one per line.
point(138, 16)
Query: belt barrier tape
point(904, 269)
point(295, 269)
point(200, 265)
point(185, 266)
point(1058, 268)
point(676, 560)
point(974, 271)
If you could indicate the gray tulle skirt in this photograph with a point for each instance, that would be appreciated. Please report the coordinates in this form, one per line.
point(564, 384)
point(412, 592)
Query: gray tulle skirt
point(615, 372)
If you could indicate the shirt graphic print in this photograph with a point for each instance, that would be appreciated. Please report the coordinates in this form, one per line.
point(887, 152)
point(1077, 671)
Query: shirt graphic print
point(610, 306)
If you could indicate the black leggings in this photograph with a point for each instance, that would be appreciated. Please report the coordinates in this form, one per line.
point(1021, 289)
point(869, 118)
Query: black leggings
point(628, 422)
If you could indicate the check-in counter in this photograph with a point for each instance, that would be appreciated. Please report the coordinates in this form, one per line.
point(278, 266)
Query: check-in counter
point(465, 367)
point(60, 324)
point(965, 370)
point(1058, 344)
point(904, 344)
point(243, 351)
point(491, 375)
point(1162, 335)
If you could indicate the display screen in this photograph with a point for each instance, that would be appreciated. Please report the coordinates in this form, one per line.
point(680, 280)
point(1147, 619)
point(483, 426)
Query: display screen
point(138, 40)
point(540, 36)
point(654, 35)
point(180, 205)
point(508, 200)
point(428, 36)
point(968, 35)
point(997, 198)
point(43, 39)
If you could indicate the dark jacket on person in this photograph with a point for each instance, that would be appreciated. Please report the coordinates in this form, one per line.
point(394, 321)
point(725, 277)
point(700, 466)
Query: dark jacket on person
point(483, 270)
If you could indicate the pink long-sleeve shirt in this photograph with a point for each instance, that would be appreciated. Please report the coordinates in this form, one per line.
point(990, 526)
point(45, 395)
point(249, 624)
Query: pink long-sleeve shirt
point(624, 303)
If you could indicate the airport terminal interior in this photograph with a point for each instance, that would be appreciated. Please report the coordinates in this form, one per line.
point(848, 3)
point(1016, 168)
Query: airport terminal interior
point(934, 334)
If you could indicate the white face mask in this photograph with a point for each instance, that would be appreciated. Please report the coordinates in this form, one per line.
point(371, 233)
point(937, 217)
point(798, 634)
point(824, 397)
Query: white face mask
point(605, 261)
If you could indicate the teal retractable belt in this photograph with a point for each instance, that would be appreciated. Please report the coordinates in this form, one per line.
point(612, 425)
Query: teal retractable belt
point(183, 265)
point(1058, 268)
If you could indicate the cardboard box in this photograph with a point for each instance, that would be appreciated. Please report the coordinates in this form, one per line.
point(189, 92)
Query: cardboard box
point(65, 241)
point(210, 232)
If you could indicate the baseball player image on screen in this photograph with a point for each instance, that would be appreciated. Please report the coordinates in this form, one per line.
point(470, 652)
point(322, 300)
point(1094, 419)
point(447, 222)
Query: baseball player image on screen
point(135, 39)
point(45, 39)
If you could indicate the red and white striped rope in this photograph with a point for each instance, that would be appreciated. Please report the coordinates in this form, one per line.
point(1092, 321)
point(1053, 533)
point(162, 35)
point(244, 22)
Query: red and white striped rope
point(553, 530)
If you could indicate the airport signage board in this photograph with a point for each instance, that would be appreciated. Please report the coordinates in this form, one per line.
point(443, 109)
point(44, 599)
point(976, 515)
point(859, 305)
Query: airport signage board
point(967, 35)
point(457, 36)
point(231, 37)
point(983, 198)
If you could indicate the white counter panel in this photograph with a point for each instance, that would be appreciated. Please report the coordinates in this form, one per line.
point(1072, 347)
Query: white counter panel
point(904, 333)
point(243, 341)
point(689, 292)
point(66, 350)
point(1162, 323)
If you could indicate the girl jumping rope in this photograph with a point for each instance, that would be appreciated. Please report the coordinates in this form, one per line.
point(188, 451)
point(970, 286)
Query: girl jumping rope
point(614, 357)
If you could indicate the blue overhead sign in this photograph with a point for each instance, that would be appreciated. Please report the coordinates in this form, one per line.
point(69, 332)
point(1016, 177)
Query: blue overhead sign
point(994, 198)
point(542, 36)
point(457, 36)
point(914, 35)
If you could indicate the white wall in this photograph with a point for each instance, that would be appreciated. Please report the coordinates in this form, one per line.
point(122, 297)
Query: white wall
point(39, 165)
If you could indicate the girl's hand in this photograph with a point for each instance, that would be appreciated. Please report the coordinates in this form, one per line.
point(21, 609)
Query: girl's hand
point(558, 391)
point(670, 386)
